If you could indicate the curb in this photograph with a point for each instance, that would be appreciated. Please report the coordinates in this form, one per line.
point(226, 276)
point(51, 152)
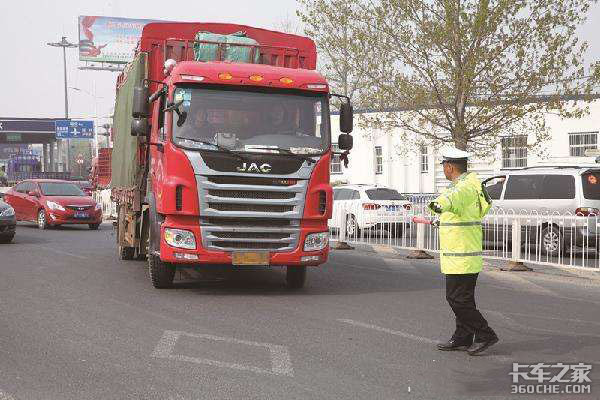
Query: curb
point(492, 264)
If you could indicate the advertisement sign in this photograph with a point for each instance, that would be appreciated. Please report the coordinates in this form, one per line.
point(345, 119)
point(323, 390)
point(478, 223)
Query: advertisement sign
point(67, 129)
point(7, 150)
point(109, 39)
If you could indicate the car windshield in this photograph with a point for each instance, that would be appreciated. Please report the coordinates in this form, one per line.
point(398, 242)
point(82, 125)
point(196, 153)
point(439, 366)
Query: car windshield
point(384, 194)
point(60, 189)
point(250, 121)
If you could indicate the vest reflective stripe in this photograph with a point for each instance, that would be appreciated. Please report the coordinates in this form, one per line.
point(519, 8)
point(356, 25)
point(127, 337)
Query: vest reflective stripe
point(469, 223)
point(471, 254)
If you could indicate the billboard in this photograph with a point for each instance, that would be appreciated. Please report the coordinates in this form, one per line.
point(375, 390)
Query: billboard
point(109, 39)
point(68, 129)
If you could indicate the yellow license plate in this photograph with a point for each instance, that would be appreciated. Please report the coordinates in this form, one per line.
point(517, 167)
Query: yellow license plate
point(250, 258)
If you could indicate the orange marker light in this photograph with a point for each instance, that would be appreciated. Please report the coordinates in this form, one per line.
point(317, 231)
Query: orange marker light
point(226, 76)
point(256, 78)
point(286, 81)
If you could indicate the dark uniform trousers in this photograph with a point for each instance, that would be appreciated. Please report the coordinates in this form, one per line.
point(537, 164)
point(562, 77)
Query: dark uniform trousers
point(460, 294)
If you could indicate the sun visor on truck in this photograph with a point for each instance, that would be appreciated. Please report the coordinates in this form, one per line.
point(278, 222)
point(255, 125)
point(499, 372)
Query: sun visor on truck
point(236, 47)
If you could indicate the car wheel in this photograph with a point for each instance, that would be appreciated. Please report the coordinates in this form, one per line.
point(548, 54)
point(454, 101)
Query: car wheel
point(126, 253)
point(552, 241)
point(94, 226)
point(7, 239)
point(42, 222)
point(295, 277)
point(161, 273)
point(352, 229)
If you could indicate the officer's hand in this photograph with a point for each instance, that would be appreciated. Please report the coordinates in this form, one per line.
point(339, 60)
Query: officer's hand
point(435, 207)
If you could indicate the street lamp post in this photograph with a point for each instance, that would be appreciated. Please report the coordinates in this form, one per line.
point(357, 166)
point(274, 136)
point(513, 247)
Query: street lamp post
point(64, 43)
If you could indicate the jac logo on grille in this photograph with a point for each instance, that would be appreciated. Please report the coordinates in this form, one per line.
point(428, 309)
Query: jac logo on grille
point(254, 167)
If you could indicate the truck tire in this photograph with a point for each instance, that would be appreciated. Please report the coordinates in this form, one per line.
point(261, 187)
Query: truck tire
point(161, 273)
point(126, 253)
point(295, 277)
point(7, 239)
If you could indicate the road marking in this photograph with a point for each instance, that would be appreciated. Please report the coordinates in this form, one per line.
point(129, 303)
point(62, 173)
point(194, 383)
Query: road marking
point(4, 396)
point(411, 336)
point(280, 357)
point(581, 321)
point(64, 253)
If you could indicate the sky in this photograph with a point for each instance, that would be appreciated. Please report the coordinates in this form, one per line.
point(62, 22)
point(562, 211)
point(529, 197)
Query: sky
point(33, 72)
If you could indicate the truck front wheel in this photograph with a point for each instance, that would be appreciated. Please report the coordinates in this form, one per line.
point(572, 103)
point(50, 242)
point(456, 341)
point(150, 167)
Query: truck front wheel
point(126, 253)
point(161, 273)
point(295, 277)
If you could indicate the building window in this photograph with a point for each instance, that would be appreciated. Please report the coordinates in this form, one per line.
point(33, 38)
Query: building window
point(514, 151)
point(336, 163)
point(378, 160)
point(424, 160)
point(581, 141)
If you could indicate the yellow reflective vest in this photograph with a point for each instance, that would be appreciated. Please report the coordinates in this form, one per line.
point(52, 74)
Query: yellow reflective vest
point(462, 207)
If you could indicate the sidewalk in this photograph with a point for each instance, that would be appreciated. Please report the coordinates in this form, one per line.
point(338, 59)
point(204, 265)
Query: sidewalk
point(489, 264)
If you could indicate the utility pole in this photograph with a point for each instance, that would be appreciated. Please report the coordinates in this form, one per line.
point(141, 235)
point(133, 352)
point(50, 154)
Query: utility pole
point(64, 43)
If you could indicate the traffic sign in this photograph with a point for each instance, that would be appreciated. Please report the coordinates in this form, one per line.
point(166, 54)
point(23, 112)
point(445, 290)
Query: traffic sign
point(68, 129)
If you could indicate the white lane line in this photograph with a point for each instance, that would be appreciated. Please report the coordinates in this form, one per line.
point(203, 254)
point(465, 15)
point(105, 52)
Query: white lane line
point(64, 253)
point(280, 357)
point(411, 336)
point(534, 316)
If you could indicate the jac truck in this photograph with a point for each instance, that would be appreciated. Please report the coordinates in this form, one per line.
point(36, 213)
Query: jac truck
point(222, 150)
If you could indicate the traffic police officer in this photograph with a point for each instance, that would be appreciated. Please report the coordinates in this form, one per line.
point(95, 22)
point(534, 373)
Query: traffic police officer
point(461, 208)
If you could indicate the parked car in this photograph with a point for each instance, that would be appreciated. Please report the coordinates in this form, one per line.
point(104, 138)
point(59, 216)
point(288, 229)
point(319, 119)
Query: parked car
point(369, 207)
point(53, 203)
point(549, 192)
point(86, 186)
point(8, 223)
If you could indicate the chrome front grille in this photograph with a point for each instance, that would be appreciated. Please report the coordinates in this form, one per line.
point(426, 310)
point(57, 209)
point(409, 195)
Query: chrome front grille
point(250, 212)
point(78, 208)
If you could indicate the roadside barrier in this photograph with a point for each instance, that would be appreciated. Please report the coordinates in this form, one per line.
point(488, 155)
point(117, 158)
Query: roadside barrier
point(109, 207)
point(517, 236)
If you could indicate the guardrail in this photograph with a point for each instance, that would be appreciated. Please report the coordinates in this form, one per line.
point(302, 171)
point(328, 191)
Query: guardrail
point(567, 239)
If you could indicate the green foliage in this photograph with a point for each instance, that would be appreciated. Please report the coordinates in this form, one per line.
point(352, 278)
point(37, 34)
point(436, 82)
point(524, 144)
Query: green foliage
point(459, 71)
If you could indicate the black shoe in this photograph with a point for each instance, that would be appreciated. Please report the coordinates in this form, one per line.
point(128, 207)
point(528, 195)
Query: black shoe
point(478, 347)
point(454, 344)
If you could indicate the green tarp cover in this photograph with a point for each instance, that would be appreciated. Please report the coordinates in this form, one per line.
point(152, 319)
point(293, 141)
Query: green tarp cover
point(209, 51)
point(124, 156)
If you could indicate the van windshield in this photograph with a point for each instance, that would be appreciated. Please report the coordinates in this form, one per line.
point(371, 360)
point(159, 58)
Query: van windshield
point(591, 185)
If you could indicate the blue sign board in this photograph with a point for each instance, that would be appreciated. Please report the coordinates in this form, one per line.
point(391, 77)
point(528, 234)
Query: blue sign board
point(67, 129)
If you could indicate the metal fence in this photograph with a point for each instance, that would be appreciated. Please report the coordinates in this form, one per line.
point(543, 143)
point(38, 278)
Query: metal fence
point(513, 235)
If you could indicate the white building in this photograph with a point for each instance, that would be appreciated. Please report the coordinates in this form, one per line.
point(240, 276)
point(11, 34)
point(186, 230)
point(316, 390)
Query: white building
point(375, 158)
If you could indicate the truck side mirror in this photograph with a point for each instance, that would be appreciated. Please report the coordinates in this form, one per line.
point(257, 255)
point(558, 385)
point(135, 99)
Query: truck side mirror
point(345, 141)
point(140, 102)
point(346, 117)
point(139, 127)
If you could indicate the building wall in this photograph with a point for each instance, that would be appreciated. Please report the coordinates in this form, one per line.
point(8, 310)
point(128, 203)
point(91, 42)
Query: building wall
point(402, 170)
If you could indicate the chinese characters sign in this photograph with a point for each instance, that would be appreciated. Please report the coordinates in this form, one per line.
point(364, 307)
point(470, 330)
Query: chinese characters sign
point(67, 129)
point(109, 39)
point(547, 378)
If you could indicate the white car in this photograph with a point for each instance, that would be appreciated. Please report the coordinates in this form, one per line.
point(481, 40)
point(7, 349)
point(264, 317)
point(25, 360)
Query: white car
point(362, 207)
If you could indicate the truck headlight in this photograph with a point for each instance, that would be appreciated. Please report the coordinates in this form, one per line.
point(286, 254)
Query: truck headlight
point(316, 241)
point(55, 206)
point(180, 238)
point(7, 212)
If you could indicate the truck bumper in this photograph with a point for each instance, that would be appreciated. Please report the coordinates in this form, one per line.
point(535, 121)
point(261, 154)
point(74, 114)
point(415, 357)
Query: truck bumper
point(202, 256)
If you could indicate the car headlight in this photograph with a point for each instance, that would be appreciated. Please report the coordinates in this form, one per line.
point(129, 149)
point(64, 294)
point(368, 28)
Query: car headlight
point(316, 241)
point(55, 206)
point(7, 212)
point(180, 238)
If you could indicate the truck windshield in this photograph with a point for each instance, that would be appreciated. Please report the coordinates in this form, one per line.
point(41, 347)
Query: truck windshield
point(252, 121)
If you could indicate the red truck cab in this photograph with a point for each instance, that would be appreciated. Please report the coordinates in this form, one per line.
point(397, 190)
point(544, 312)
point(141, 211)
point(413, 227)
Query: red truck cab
point(233, 157)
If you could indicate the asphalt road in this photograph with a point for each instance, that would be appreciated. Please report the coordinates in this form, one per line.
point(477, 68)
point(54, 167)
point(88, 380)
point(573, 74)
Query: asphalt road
point(77, 323)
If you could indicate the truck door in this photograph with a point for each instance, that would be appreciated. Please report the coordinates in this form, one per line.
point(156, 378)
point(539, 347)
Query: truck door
point(158, 136)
